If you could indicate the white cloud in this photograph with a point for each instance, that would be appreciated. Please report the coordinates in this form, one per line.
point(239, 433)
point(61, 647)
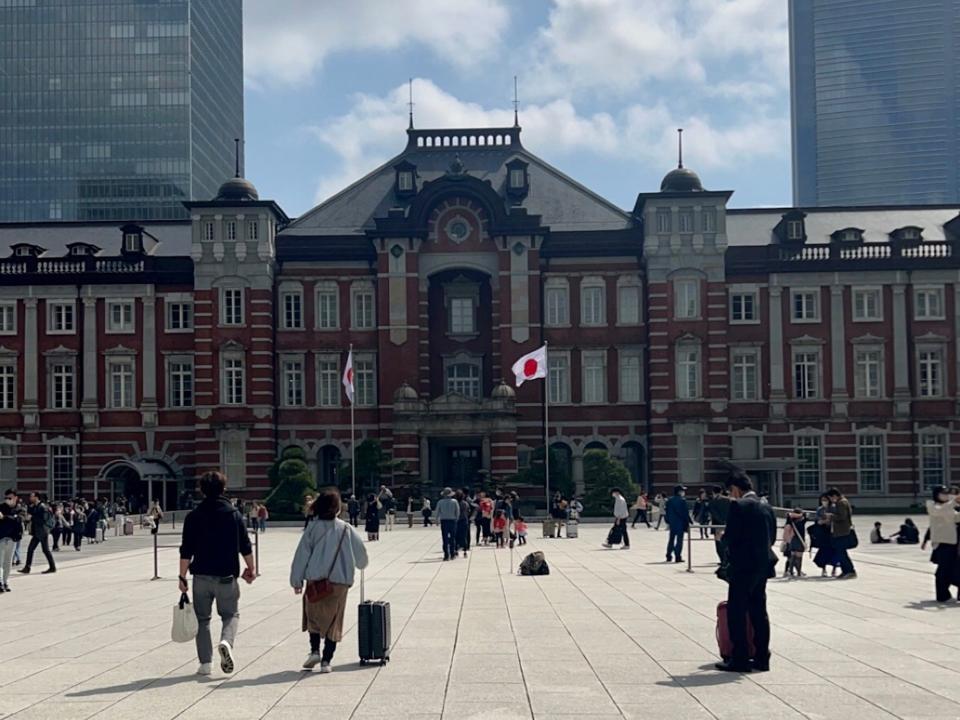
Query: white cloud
point(372, 132)
point(287, 41)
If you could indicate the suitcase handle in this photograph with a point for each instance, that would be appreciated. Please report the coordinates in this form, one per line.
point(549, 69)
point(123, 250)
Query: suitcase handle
point(361, 585)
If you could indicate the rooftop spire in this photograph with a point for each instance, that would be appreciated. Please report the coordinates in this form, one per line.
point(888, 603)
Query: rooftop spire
point(236, 157)
point(516, 104)
point(410, 102)
point(680, 147)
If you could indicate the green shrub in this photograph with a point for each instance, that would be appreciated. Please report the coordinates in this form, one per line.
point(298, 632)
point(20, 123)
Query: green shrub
point(290, 481)
point(601, 473)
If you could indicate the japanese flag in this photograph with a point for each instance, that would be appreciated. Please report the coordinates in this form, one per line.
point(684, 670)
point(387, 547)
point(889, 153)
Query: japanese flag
point(348, 377)
point(531, 366)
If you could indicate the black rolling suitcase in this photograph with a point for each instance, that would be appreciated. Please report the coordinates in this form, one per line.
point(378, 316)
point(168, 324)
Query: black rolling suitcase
point(373, 629)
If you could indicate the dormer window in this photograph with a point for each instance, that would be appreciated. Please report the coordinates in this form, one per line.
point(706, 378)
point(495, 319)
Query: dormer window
point(78, 250)
point(848, 235)
point(910, 235)
point(795, 230)
point(23, 251)
point(518, 179)
point(406, 180)
point(791, 229)
point(131, 242)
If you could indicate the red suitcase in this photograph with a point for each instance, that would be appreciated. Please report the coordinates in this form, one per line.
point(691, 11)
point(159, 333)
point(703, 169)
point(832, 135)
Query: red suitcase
point(723, 634)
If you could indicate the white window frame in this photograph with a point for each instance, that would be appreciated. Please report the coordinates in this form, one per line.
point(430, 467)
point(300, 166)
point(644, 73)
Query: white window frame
point(185, 319)
point(558, 376)
point(328, 380)
point(556, 301)
point(588, 361)
point(253, 229)
point(794, 229)
point(454, 305)
point(630, 361)
point(928, 291)
point(52, 308)
point(232, 365)
point(686, 290)
point(882, 469)
point(518, 178)
point(8, 385)
point(470, 387)
point(817, 354)
point(293, 381)
point(327, 303)
point(685, 220)
point(862, 388)
point(234, 463)
point(67, 449)
point(806, 318)
point(683, 364)
point(708, 220)
point(120, 326)
point(209, 233)
point(405, 181)
point(754, 296)
point(365, 395)
point(8, 462)
point(291, 307)
point(938, 439)
point(360, 294)
point(131, 242)
point(127, 398)
point(803, 440)
point(923, 367)
point(629, 288)
point(860, 301)
point(593, 298)
point(58, 400)
point(739, 372)
point(8, 317)
point(230, 230)
point(232, 315)
point(664, 219)
point(178, 391)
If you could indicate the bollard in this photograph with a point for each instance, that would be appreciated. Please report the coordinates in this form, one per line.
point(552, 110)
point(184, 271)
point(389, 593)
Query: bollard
point(689, 551)
point(156, 575)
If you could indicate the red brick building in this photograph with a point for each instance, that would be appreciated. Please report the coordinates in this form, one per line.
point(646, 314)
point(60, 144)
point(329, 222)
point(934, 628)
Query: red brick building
point(809, 347)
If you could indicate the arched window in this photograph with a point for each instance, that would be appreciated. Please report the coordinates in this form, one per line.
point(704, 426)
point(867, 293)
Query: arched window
point(561, 468)
point(329, 466)
point(634, 457)
point(464, 378)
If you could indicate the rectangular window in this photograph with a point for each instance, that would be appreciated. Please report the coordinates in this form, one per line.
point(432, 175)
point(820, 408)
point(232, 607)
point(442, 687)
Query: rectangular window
point(462, 320)
point(688, 373)
point(405, 181)
point(8, 464)
point(517, 178)
point(930, 371)
point(120, 373)
point(232, 311)
point(690, 459)
point(867, 305)
point(592, 305)
point(933, 460)
point(231, 230)
point(180, 383)
point(868, 377)
point(366, 381)
point(709, 220)
point(743, 307)
point(809, 467)
point(685, 221)
point(131, 242)
point(559, 377)
point(628, 305)
point(870, 458)
point(179, 316)
point(328, 381)
point(208, 231)
point(120, 316)
point(62, 317)
point(233, 381)
point(328, 307)
point(63, 472)
point(806, 374)
point(795, 230)
point(292, 310)
point(8, 387)
point(557, 299)
point(630, 376)
point(253, 230)
point(928, 304)
point(61, 391)
point(686, 299)
point(293, 383)
point(464, 379)
point(664, 221)
point(805, 307)
point(233, 458)
point(8, 318)
point(363, 314)
point(744, 375)
point(594, 377)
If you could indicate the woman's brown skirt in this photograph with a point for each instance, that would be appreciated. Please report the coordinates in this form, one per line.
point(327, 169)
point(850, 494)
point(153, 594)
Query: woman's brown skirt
point(326, 616)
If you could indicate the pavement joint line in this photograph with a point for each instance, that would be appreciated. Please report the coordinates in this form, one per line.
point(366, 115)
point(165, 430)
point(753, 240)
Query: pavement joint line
point(456, 636)
point(513, 631)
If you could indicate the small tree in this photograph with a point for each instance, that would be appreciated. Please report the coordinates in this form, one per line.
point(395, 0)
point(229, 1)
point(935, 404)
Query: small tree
point(372, 464)
point(602, 473)
point(532, 476)
point(290, 481)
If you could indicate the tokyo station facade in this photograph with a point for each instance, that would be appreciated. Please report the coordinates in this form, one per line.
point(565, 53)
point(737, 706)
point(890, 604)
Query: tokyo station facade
point(807, 347)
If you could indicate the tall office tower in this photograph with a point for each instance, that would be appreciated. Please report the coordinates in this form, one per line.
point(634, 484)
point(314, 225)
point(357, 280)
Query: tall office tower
point(874, 101)
point(117, 109)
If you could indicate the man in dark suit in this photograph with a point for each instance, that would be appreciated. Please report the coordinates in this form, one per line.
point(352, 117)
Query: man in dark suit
point(751, 530)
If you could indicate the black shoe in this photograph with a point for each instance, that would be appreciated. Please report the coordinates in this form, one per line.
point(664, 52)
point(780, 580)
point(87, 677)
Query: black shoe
point(731, 666)
point(24, 570)
point(6, 588)
point(678, 560)
point(49, 571)
point(1, 589)
point(761, 665)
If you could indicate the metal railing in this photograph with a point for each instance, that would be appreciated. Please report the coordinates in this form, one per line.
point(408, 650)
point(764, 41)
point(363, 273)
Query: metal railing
point(157, 547)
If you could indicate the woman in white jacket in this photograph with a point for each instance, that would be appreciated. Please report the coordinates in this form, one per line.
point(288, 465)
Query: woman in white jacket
point(944, 520)
point(323, 571)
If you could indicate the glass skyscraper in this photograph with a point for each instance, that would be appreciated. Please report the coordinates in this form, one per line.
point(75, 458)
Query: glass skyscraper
point(875, 102)
point(117, 109)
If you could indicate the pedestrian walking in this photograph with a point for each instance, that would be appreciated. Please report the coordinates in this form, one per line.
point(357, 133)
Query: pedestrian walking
point(620, 515)
point(751, 530)
point(41, 523)
point(11, 530)
point(323, 572)
point(701, 513)
point(214, 538)
point(944, 519)
point(843, 536)
point(678, 522)
point(262, 516)
point(641, 506)
point(661, 502)
point(79, 525)
point(353, 510)
point(820, 538)
point(372, 518)
point(463, 522)
point(57, 532)
point(486, 517)
point(427, 511)
point(448, 514)
point(795, 535)
point(387, 503)
point(155, 515)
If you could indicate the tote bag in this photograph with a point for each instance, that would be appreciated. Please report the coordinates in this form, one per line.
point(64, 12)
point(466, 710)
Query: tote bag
point(184, 621)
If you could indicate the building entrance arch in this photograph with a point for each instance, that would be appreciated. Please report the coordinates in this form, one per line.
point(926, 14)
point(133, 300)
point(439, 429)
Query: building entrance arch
point(140, 482)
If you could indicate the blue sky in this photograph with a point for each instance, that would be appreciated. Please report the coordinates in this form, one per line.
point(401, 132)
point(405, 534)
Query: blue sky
point(603, 86)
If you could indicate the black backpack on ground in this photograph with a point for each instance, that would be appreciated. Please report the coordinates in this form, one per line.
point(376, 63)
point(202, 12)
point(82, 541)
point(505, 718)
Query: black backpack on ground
point(534, 564)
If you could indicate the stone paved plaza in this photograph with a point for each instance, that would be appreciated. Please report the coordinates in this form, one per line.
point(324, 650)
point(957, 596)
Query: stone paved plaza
point(609, 634)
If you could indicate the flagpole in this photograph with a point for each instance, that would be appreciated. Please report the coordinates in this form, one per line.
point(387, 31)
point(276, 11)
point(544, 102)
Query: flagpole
point(353, 440)
point(546, 427)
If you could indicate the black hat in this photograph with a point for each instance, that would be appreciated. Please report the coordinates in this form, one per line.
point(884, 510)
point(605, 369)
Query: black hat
point(679, 489)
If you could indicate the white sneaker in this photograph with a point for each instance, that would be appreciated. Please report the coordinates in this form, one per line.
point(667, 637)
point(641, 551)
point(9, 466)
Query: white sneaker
point(226, 657)
point(326, 668)
point(205, 669)
point(606, 545)
point(312, 661)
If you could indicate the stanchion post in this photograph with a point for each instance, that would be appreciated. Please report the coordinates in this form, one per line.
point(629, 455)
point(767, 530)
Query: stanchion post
point(156, 567)
point(256, 553)
point(690, 549)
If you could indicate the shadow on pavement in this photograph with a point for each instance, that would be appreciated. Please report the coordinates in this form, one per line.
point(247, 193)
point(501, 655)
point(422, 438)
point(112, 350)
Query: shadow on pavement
point(709, 677)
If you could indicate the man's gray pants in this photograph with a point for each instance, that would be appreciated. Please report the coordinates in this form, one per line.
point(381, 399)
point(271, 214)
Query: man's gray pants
point(206, 589)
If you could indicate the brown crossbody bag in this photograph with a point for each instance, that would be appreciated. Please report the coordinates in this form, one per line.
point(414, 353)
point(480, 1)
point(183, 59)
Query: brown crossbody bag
point(317, 590)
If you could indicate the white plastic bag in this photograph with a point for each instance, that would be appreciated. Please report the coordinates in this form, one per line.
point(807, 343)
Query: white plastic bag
point(185, 625)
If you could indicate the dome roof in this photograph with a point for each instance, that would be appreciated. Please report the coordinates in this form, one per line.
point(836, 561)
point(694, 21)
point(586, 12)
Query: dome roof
point(405, 392)
point(681, 179)
point(237, 188)
point(503, 392)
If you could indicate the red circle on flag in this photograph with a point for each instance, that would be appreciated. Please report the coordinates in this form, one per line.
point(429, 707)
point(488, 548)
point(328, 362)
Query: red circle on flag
point(530, 367)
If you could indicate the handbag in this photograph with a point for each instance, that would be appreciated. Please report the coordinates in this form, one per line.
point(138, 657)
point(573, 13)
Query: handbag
point(317, 590)
point(852, 540)
point(185, 625)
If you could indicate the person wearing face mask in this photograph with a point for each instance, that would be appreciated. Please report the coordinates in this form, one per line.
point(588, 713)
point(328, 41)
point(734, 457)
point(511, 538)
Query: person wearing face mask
point(11, 531)
point(678, 521)
point(944, 520)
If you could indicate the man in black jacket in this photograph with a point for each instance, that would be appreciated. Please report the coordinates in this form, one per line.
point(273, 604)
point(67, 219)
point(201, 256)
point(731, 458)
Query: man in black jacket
point(41, 523)
point(214, 535)
point(11, 530)
point(751, 530)
point(719, 511)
